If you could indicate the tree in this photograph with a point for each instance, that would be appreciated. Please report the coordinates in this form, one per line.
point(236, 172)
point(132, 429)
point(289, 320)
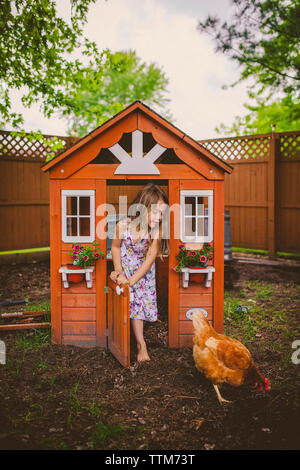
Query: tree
point(284, 114)
point(263, 38)
point(40, 54)
point(36, 48)
point(101, 93)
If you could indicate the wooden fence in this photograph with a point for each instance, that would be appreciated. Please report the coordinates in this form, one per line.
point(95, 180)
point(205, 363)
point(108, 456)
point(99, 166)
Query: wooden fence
point(24, 192)
point(262, 193)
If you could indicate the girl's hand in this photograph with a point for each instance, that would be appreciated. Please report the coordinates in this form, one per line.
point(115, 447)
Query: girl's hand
point(122, 279)
point(130, 282)
point(114, 275)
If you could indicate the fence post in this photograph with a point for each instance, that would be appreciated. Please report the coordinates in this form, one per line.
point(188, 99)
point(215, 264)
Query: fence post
point(272, 193)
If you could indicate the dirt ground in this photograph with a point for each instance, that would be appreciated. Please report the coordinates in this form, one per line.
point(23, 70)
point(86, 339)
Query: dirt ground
point(64, 397)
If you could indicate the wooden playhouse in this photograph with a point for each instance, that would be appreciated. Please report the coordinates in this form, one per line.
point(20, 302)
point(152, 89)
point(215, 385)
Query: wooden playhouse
point(113, 162)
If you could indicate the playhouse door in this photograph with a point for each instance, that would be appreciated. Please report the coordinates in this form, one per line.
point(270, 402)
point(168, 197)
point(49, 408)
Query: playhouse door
point(118, 322)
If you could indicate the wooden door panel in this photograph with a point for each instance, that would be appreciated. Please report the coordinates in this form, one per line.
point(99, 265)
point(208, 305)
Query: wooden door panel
point(118, 322)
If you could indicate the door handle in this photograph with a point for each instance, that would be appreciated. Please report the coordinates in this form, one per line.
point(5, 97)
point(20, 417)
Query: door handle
point(119, 290)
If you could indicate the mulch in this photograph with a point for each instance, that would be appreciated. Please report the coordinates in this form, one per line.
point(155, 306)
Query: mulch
point(65, 397)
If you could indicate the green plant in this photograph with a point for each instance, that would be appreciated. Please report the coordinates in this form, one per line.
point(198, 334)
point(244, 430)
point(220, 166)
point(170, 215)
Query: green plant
point(77, 404)
point(38, 366)
point(34, 340)
point(53, 380)
point(187, 258)
point(103, 432)
point(84, 256)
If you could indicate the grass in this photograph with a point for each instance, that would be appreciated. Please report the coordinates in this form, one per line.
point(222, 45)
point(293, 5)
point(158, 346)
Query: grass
point(78, 405)
point(26, 250)
point(34, 339)
point(105, 432)
point(39, 306)
point(280, 254)
point(261, 290)
point(258, 310)
point(249, 250)
point(46, 305)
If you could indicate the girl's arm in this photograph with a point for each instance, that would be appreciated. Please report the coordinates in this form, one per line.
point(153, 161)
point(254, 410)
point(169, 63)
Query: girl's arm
point(144, 268)
point(116, 247)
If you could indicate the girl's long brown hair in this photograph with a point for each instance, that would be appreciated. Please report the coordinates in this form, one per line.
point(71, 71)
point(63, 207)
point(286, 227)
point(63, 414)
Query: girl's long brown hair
point(149, 195)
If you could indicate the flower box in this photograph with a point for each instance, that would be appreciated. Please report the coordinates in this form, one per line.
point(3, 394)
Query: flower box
point(76, 277)
point(194, 259)
point(207, 271)
point(87, 272)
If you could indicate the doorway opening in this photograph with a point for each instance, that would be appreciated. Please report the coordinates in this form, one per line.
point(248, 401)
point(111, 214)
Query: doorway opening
point(155, 333)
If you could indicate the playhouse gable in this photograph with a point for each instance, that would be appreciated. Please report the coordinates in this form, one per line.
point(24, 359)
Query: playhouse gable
point(137, 141)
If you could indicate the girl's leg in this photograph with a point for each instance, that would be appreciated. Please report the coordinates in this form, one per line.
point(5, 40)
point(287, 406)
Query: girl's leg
point(138, 326)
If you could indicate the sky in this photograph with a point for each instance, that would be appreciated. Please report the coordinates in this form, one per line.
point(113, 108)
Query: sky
point(165, 32)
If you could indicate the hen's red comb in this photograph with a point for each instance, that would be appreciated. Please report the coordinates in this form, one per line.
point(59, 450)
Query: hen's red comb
point(267, 385)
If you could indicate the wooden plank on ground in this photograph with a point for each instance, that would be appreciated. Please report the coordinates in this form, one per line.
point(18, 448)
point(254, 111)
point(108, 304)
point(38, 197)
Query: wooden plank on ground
point(23, 326)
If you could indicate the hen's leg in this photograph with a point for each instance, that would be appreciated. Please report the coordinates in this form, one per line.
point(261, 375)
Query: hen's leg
point(220, 398)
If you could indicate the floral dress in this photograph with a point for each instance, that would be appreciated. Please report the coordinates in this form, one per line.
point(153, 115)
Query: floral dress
point(133, 254)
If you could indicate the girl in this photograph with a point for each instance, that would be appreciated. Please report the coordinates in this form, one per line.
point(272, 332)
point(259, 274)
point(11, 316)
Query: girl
point(134, 253)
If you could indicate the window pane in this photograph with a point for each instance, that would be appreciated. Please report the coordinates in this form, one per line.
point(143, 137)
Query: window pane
point(202, 205)
point(84, 205)
point(190, 205)
point(71, 226)
point(189, 226)
point(71, 205)
point(202, 226)
point(84, 226)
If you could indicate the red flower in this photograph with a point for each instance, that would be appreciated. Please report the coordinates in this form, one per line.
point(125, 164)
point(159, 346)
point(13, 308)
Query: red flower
point(193, 253)
point(75, 256)
point(96, 255)
point(86, 258)
point(77, 247)
point(203, 259)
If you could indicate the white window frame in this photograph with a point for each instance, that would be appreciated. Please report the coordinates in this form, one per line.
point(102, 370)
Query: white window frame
point(70, 239)
point(197, 239)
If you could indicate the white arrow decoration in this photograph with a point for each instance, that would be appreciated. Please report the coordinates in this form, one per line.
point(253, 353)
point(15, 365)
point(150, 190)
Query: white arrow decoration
point(137, 164)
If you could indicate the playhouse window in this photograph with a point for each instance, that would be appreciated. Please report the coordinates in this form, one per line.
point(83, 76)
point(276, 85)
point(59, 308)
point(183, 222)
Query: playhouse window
point(78, 222)
point(196, 218)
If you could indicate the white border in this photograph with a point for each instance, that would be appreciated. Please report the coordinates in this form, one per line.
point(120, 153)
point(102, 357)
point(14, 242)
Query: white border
point(196, 239)
point(67, 238)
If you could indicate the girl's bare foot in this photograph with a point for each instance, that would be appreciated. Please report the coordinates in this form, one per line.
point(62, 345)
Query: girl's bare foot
point(142, 353)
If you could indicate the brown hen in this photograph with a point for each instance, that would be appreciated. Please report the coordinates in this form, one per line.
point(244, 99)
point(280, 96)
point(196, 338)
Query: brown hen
point(223, 359)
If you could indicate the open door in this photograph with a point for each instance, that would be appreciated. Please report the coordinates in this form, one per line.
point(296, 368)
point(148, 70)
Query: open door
point(118, 322)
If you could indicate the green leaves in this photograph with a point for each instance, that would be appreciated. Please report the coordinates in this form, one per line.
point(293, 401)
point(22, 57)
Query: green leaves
point(98, 93)
point(36, 47)
point(38, 50)
point(285, 114)
point(187, 258)
point(263, 37)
